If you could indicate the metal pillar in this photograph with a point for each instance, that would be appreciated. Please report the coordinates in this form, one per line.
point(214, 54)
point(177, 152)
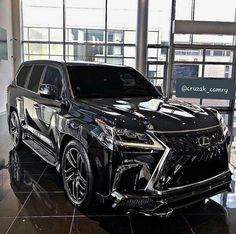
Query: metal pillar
point(171, 52)
point(106, 36)
point(17, 33)
point(64, 28)
point(141, 36)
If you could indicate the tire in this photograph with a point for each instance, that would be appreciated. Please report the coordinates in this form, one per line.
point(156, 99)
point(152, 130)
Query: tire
point(77, 175)
point(15, 130)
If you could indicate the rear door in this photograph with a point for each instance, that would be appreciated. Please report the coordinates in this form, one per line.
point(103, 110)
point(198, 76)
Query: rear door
point(19, 93)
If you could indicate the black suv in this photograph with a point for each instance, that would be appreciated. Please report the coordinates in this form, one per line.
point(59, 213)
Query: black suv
point(114, 138)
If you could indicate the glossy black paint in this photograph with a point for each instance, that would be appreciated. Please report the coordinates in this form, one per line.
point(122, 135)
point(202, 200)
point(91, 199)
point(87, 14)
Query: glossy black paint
point(49, 124)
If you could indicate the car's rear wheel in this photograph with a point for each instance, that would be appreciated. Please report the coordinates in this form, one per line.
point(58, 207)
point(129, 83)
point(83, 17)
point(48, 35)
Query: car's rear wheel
point(77, 174)
point(15, 130)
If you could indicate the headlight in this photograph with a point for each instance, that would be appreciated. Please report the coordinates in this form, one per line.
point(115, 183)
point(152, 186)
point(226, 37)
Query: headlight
point(127, 138)
point(131, 136)
point(223, 125)
point(107, 131)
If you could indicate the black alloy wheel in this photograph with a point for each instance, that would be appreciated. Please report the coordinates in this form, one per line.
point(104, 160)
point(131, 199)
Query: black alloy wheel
point(77, 174)
point(15, 130)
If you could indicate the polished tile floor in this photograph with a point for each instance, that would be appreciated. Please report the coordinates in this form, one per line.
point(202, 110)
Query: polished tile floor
point(32, 200)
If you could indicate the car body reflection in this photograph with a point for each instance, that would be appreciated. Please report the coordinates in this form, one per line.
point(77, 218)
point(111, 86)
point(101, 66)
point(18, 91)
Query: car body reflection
point(24, 178)
point(20, 176)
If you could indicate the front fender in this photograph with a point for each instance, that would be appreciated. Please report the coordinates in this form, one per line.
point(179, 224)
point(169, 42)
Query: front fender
point(99, 155)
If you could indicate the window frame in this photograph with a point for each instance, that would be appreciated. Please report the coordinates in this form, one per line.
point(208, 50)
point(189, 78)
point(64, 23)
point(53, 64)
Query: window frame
point(32, 68)
point(59, 68)
point(27, 77)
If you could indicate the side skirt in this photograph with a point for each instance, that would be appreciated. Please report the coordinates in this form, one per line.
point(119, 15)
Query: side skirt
point(46, 154)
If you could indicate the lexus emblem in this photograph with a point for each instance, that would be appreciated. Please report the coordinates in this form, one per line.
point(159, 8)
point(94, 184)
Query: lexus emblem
point(204, 141)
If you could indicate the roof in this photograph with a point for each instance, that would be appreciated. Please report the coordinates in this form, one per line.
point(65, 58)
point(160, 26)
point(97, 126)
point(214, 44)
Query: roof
point(70, 63)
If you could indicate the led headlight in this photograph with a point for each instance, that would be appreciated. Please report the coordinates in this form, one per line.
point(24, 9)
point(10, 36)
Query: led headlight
point(107, 131)
point(126, 135)
point(223, 125)
point(127, 138)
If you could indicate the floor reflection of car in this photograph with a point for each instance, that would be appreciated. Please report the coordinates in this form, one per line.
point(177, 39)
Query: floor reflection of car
point(23, 178)
point(115, 138)
point(24, 175)
point(24, 183)
point(2, 164)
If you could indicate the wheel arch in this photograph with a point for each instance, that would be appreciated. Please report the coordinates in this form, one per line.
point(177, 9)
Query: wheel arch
point(97, 159)
point(65, 140)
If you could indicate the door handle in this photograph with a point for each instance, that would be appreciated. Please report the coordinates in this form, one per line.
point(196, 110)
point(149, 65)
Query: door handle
point(36, 106)
point(19, 99)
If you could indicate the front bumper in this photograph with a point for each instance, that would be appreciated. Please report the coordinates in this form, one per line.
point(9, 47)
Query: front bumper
point(163, 203)
point(186, 171)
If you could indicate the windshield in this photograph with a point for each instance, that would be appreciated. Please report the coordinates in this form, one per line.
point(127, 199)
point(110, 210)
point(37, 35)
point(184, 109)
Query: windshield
point(107, 81)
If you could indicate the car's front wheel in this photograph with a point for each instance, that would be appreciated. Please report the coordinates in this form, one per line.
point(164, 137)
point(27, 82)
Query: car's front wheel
point(15, 130)
point(77, 174)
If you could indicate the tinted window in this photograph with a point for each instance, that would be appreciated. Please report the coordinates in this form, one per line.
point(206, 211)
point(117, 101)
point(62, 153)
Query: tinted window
point(35, 78)
point(22, 75)
point(53, 77)
point(101, 81)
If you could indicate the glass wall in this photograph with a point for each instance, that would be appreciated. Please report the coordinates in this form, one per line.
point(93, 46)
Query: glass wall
point(121, 25)
point(85, 30)
point(204, 56)
point(96, 30)
point(42, 24)
point(158, 40)
point(205, 10)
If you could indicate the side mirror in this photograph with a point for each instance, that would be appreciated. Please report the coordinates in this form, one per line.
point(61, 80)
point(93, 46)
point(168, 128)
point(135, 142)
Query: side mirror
point(49, 91)
point(159, 89)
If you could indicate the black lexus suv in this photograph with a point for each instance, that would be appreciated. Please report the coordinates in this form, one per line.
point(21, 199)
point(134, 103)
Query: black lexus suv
point(115, 139)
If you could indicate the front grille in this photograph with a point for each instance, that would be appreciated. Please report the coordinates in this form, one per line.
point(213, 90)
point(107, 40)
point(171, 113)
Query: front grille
point(192, 158)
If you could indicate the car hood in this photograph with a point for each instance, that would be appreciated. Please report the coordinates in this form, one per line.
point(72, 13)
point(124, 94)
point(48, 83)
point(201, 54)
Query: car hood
point(153, 113)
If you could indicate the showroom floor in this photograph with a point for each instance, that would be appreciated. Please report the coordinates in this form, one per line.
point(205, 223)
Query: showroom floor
point(32, 201)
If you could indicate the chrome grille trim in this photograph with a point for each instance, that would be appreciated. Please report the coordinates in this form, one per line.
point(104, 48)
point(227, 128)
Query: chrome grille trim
point(158, 169)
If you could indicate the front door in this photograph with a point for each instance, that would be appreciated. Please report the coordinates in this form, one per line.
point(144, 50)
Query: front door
point(30, 101)
point(49, 109)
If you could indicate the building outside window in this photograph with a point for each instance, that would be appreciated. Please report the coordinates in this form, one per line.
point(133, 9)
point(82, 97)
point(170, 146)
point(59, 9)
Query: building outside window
point(87, 39)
